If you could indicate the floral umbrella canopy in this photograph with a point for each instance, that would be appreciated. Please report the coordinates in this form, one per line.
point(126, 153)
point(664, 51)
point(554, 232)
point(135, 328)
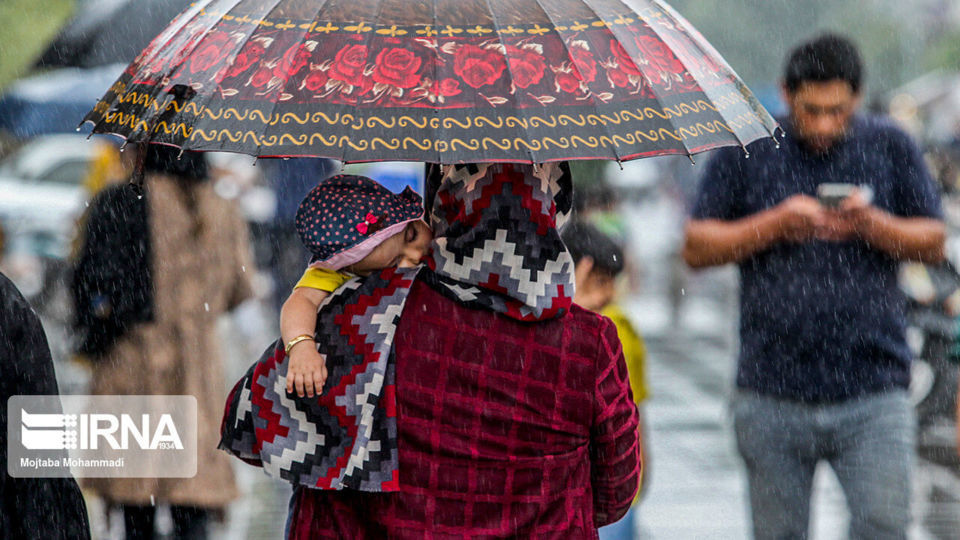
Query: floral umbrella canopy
point(443, 81)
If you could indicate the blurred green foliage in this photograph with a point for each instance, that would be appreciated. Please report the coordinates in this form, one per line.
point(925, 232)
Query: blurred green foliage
point(756, 35)
point(945, 52)
point(26, 27)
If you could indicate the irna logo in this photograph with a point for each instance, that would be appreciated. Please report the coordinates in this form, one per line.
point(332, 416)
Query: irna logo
point(95, 431)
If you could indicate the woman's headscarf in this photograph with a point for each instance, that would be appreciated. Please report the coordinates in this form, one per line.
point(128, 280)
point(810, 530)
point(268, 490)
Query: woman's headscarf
point(496, 237)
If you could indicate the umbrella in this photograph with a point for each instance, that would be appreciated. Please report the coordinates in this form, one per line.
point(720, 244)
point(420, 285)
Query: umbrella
point(441, 81)
point(101, 33)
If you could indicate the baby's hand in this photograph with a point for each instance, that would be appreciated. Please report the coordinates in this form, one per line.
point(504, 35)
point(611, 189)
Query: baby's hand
point(307, 371)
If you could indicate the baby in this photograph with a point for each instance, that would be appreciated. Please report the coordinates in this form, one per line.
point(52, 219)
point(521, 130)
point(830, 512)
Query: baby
point(353, 226)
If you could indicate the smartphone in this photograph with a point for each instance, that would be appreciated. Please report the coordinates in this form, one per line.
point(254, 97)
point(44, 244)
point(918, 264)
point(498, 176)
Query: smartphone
point(831, 195)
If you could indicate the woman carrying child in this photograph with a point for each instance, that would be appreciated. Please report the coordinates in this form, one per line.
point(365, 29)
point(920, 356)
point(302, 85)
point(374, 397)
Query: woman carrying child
point(512, 406)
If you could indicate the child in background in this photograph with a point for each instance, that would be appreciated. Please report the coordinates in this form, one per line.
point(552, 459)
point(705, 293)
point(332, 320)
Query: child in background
point(352, 226)
point(598, 260)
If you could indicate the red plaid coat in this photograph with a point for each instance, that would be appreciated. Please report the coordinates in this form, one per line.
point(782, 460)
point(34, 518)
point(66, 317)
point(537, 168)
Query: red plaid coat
point(505, 429)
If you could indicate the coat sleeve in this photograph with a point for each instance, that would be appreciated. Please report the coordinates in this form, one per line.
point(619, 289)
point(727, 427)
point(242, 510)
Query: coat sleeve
point(614, 442)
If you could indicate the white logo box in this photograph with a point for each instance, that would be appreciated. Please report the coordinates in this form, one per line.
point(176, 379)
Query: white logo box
point(102, 436)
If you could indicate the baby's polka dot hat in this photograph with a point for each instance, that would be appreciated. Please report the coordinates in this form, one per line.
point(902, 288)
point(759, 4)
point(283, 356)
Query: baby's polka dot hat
point(345, 217)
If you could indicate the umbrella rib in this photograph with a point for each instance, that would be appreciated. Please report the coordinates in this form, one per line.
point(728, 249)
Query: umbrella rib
point(436, 79)
point(366, 44)
point(593, 100)
point(172, 69)
point(276, 102)
point(506, 59)
point(618, 36)
point(748, 97)
point(196, 44)
point(755, 106)
point(705, 91)
point(181, 25)
point(156, 89)
point(238, 50)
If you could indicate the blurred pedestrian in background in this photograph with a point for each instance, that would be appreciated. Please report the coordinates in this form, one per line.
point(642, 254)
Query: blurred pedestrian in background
point(155, 272)
point(598, 261)
point(818, 227)
point(31, 507)
point(108, 166)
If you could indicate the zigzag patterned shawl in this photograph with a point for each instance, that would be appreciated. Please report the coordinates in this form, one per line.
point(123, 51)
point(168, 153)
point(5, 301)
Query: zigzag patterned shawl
point(496, 247)
point(496, 240)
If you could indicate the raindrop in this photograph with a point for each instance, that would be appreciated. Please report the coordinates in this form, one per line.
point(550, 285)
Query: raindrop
point(243, 268)
point(683, 292)
point(153, 501)
point(206, 306)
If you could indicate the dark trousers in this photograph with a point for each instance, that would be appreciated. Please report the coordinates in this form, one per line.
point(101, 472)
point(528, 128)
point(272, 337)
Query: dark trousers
point(189, 522)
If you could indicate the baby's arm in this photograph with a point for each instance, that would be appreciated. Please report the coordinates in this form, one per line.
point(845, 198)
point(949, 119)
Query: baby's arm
point(307, 371)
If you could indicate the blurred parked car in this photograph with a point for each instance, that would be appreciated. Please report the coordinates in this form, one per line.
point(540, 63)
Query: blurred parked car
point(42, 195)
point(42, 192)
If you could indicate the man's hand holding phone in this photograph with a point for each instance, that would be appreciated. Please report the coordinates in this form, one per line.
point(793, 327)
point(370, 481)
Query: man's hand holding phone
point(847, 211)
point(801, 216)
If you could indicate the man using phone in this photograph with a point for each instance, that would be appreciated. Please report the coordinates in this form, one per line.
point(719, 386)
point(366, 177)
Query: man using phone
point(824, 364)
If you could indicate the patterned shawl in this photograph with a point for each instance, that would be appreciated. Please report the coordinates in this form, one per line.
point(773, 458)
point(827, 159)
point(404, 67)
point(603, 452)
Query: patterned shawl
point(497, 243)
point(496, 247)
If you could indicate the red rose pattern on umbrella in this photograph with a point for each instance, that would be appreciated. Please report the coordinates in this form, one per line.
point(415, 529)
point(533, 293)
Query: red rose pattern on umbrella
point(362, 90)
point(397, 67)
point(315, 81)
point(210, 52)
point(251, 53)
point(617, 77)
point(624, 62)
point(567, 81)
point(583, 61)
point(478, 66)
point(526, 64)
point(402, 71)
point(159, 64)
point(349, 65)
point(448, 87)
point(294, 60)
point(261, 77)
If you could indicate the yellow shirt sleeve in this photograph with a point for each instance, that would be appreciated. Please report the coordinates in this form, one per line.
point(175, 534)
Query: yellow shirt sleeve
point(634, 351)
point(322, 279)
